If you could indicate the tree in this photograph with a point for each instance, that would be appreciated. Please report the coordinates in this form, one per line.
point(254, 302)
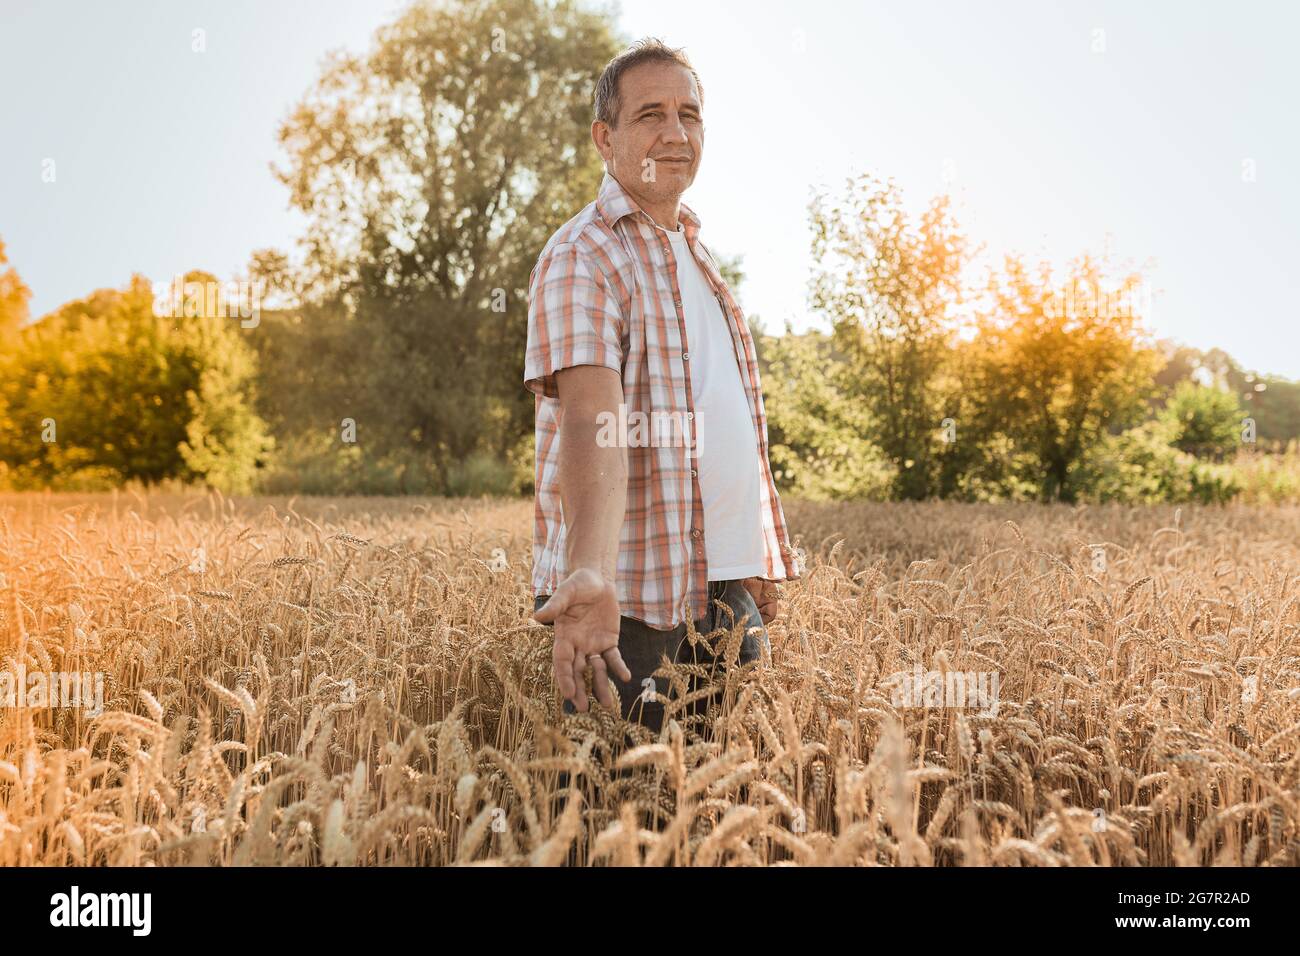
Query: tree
point(888, 283)
point(433, 170)
point(1063, 366)
point(14, 296)
point(105, 390)
point(1181, 362)
point(1205, 422)
point(1271, 400)
point(815, 430)
point(732, 271)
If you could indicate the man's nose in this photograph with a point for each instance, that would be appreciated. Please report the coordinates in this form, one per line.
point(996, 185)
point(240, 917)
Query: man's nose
point(676, 132)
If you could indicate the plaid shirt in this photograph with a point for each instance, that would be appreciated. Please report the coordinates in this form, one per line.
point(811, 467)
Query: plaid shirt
point(604, 292)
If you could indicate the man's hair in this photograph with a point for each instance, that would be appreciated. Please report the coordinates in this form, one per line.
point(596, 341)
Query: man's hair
point(650, 50)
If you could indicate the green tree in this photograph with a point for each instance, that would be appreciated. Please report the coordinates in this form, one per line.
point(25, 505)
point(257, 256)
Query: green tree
point(816, 430)
point(1205, 422)
point(14, 296)
point(732, 271)
point(1063, 367)
point(978, 460)
point(104, 390)
point(888, 283)
point(1271, 400)
point(1181, 362)
point(1141, 466)
point(432, 171)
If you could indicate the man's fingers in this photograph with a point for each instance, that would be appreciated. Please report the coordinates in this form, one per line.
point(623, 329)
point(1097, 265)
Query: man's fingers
point(553, 608)
point(580, 684)
point(562, 657)
point(766, 597)
point(763, 591)
point(615, 661)
point(600, 682)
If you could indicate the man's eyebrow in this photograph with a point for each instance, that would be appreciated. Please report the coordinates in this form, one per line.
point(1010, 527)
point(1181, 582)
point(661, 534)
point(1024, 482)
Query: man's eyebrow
point(688, 105)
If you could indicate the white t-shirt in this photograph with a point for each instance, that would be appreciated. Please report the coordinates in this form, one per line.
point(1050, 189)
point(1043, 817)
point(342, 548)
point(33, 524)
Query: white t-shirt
point(727, 445)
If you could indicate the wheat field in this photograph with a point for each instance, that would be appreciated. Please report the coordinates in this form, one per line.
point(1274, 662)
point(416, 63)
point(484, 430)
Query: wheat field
point(358, 682)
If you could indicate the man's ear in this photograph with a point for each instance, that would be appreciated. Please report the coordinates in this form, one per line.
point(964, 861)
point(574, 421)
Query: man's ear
point(600, 137)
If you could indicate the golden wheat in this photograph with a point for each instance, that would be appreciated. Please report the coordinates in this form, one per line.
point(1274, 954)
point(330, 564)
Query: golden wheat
point(339, 682)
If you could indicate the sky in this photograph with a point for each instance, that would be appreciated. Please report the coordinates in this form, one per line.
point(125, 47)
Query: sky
point(1159, 133)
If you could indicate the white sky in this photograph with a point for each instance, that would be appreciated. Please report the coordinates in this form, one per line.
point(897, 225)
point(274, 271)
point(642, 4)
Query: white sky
point(162, 155)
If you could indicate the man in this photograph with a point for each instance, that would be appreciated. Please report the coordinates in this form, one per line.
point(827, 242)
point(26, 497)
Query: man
point(636, 533)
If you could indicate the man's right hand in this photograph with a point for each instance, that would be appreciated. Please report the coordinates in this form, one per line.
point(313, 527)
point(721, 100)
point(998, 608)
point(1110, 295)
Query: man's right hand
point(584, 610)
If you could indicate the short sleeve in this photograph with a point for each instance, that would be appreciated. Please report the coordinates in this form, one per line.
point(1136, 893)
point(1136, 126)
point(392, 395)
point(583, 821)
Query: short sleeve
point(573, 319)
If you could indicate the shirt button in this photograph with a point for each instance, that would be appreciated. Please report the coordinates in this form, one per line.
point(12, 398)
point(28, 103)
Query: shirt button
point(695, 532)
point(694, 473)
point(686, 356)
point(690, 416)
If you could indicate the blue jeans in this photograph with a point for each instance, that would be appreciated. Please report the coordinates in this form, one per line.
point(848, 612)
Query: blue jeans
point(643, 646)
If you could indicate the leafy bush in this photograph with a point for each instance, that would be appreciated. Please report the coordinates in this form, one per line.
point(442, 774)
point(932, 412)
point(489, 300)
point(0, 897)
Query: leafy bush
point(816, 433)
point(990, 470)
point(480, 474)
point(1141, 466)
point(523, 464)
point(1205, 422)
point(318, 463)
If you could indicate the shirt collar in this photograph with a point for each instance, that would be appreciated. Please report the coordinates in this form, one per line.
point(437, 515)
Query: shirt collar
point(613, 203)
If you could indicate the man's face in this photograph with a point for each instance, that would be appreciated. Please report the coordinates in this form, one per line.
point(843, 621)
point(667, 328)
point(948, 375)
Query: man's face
point(656, 146)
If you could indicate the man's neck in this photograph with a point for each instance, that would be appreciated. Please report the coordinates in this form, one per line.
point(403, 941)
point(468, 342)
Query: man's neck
point(663, 213)
point(664, 216)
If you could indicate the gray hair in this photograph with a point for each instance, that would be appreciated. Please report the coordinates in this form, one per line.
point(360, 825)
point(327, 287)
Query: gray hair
point(650, 50)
